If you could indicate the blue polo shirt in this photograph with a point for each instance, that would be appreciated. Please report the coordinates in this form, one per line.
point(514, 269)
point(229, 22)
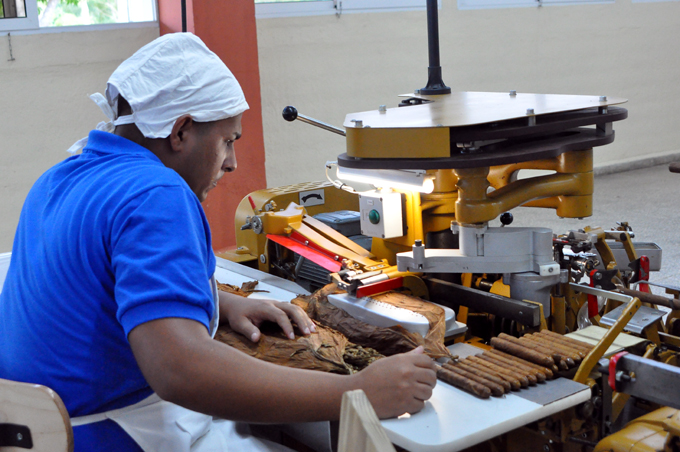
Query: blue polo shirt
point(107, 240)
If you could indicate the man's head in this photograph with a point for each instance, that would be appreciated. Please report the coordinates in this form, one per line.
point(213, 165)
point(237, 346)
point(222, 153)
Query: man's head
point(177, 98)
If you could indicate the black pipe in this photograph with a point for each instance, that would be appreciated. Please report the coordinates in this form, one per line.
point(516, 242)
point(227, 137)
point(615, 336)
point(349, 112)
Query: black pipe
point(435, 84)
point(184, 16)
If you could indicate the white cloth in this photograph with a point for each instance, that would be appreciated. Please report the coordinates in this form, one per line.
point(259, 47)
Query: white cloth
point(172, 76)
point(160, 426)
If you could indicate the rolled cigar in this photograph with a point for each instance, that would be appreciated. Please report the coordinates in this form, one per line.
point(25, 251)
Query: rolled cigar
point(463, 383)
point(582, 351)
point(532, 345)
point(550, 342)
point(490, 375)
point(574, 342)
point(560, 357)
point(512, 377)
point(524, 366)
point(484, 373)
point(496, 390)
point(522, 352)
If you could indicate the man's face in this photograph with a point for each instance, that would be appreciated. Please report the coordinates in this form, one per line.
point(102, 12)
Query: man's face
point(212, 154)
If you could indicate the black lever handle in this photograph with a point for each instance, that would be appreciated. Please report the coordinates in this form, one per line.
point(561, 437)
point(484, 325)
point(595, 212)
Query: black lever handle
point(290, 114)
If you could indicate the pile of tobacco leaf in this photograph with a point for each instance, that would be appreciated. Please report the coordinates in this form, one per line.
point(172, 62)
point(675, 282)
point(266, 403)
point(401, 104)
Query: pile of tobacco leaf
point(341, 344)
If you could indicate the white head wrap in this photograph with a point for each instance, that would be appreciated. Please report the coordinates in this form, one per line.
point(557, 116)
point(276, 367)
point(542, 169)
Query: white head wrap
point(171, 76)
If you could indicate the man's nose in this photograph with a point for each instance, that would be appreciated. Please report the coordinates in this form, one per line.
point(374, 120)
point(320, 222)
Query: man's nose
point(229, 163)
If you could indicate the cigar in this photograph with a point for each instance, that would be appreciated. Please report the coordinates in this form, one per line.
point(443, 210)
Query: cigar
point(496, 390)
point(520, 364)
point(511, 377)
point(486, 373)
point(522, 352)
point(498, 353)
point(463, 383)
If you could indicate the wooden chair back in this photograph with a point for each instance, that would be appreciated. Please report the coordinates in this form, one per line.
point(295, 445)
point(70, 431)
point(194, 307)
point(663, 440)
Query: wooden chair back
point(33, 417)
point(360, 429)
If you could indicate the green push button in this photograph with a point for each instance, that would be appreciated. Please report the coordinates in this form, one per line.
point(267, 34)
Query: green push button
point(374, 216)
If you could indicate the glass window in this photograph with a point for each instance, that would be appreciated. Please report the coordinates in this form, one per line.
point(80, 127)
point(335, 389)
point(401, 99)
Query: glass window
point(36, 14)
point(12, 8)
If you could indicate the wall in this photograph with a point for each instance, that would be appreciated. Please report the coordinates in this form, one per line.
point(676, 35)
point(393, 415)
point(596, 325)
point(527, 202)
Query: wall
point(44, 106)
point(329, 67)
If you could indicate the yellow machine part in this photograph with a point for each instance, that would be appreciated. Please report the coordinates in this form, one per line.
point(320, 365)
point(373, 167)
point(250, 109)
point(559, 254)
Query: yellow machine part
point(251, 246)
point(654, 432)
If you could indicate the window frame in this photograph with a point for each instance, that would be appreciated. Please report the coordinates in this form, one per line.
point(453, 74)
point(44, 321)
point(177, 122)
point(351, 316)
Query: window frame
point(30, 24)
point(339, 7)
point(22, 23)
point(501, 4)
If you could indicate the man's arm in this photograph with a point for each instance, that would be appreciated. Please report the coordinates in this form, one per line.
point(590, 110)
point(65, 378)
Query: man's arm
point(184, 365)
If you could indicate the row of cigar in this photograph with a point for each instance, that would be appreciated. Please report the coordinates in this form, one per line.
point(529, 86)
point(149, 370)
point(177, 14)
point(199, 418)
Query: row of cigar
point(514, 363)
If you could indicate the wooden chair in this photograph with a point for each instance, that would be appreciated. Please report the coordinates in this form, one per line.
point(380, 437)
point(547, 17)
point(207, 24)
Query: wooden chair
point(360, 429)
point(33, 417)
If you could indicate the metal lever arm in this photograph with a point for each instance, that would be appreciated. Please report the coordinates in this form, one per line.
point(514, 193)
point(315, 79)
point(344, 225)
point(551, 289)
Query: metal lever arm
point(290, 114)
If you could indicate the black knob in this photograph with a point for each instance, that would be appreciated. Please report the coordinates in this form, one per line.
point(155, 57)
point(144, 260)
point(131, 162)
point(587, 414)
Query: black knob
point(506, 218)
point(290, 113)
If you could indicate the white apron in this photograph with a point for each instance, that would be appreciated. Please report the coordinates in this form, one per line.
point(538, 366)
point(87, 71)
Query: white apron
point(160, 426)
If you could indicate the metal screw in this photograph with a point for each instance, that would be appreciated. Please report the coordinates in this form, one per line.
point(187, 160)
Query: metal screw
point(530, 111)
point(382, 108)
point(337, 258)
point(546, 448)
point(513, 93)
point(521, 313)
point(358, 122)
point(440, 125)
point(20, 436)
point(603, 98)
point(306, 242)
point(263, 258)
point(550, 270)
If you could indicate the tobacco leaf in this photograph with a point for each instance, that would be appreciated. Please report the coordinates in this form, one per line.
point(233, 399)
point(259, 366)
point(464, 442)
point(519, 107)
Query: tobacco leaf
point(388, 341)
point(246, 288)
point(321, 351)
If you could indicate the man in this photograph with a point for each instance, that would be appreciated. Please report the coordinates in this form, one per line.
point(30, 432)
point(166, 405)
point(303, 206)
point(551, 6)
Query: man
point(110, 298)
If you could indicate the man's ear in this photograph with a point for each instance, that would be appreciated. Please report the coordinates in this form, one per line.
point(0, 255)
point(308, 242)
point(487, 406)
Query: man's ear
point(178, 137)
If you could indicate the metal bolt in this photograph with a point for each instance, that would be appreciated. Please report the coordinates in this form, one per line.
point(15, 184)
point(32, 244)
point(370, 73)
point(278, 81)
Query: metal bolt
point(337, 258)
point(598, 276)
point(416, 91)
point(306, 242)
point(603, 98)
point(542, 432)
point(440, 125)
point(513, 93)
point(20, 436)
point(419, 243)
point(263, 258)
point(358, 122)
point(382, 108)
point(521, 313)
point(546, 448)
point(550, 270)
point(530, 111)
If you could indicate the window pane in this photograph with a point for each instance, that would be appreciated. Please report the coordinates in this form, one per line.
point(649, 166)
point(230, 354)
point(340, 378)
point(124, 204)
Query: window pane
point(12, 8)
point(56, 13)
point(283, 1)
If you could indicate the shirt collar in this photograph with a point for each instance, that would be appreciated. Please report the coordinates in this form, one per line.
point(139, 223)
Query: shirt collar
point(108, 143)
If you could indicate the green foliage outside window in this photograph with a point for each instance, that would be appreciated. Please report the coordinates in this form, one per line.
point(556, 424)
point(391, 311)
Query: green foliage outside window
point(55, 13)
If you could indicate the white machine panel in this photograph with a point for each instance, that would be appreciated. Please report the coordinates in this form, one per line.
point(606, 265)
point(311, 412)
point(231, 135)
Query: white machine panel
point(381, 214)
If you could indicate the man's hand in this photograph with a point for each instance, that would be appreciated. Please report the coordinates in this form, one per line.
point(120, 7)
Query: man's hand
point(399, 384)
point(245, 315)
